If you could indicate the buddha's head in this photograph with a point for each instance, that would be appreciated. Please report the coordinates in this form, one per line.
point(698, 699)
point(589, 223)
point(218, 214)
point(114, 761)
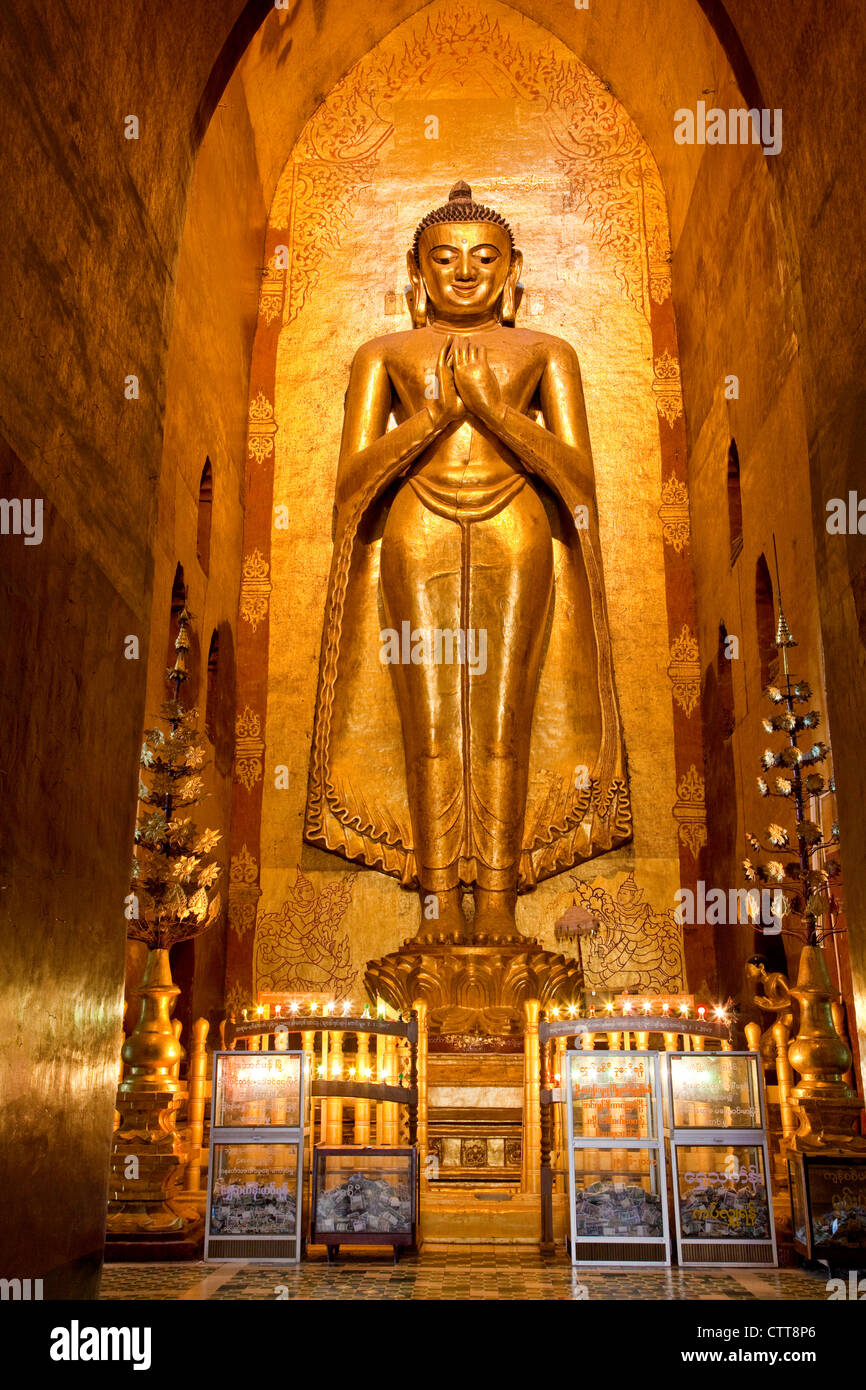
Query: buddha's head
point(463, 264)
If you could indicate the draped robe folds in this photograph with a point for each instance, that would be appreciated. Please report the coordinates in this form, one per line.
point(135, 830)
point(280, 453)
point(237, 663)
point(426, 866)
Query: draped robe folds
point(577, 803)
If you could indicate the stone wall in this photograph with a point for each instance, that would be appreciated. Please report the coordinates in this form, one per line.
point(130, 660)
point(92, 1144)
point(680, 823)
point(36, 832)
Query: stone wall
point(90, 223)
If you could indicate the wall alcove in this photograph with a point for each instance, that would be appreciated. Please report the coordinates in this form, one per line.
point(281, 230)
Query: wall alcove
point(487, 96)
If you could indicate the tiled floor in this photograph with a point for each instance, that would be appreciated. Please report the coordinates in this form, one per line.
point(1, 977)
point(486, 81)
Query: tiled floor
point(475, 1272)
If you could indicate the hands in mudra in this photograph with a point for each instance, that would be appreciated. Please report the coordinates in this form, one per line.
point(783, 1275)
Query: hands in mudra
point(465, 384)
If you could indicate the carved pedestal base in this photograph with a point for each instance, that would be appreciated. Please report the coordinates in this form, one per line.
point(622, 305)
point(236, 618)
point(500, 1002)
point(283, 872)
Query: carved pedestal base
point(827, 1108)
point(827, 1124)
point(146, 1154)
point(474, 987)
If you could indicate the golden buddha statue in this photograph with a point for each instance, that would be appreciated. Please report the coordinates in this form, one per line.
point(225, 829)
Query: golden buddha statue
point(467, 733)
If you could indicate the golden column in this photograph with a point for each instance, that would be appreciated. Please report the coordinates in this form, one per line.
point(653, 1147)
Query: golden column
point(308, 1045)
point(387, 1122)
point(785, 1074)
point(421, 1011)
point(362, 1107)
point(753, 1036)
point(322, 1070)
point(281, 1107)
point(197, 1080)
point(531, 1099)
point(334, 1105)
point(560, 1063)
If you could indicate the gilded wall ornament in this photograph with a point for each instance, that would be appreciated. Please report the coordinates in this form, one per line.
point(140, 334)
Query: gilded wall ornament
point(614, 182)
point(302, 947)
point(659, 254)
point(635, 947)
point(238, 998)
point(244, 892)
point(661, 282)
point(316, 199)
point(271, 294)
point(674, 514)
point(666, 387)
point(249, 747)
point(262, 428)
point(690, 811)
point(255, 588)
point(685, 671)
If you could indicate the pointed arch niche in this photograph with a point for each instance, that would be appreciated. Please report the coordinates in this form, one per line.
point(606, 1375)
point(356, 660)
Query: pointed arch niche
point(503, 104)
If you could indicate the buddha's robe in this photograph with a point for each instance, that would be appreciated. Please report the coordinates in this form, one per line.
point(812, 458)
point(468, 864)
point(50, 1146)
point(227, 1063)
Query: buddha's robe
point(436, 772)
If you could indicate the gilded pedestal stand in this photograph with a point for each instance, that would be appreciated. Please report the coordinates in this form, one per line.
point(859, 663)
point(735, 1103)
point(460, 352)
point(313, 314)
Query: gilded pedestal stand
point(482, 988)
point(473, 986)
point(827, 1108)
point(147, 1152)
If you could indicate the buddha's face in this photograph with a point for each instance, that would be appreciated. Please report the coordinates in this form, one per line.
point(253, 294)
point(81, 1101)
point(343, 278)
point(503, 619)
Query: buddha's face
point(465, 266)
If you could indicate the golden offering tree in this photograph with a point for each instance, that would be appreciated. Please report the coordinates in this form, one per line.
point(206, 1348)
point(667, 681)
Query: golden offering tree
point(807, 904)
point(172, 873)
point(172, 899)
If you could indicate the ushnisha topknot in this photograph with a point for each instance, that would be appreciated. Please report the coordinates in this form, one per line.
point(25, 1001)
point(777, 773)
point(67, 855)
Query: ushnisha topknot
point(460, 208)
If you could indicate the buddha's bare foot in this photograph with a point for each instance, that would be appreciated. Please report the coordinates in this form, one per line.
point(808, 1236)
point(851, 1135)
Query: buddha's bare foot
point(494, 916)
point(442, 919)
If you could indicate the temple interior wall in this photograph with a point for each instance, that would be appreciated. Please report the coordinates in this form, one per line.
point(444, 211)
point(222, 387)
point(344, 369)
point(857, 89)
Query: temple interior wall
point(90, 295)
point(207, 375)
point(729, 273)
point(347, 226)
point(92, 299)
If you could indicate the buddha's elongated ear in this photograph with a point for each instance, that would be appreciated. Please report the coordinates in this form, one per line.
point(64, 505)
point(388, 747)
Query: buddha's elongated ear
point(419, 293)
point(509, 291)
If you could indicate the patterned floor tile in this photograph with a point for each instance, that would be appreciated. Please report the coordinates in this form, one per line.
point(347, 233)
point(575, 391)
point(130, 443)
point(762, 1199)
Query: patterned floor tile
point(451, 1275)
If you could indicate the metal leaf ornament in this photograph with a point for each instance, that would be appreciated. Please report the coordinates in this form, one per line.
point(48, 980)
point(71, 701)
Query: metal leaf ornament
point(809, 910)
point(172, 875)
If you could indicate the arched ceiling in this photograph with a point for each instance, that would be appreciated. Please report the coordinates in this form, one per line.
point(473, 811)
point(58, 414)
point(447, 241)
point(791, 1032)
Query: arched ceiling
point(655, 55)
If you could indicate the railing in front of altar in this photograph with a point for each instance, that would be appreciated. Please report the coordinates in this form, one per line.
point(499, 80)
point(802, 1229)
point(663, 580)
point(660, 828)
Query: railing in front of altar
point(553, 1039)
point(375, 1082)
point(370, 1079)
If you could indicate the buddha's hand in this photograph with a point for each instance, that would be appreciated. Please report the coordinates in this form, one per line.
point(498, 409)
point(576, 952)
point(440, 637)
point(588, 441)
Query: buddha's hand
point(473, 376)
point(444, 406)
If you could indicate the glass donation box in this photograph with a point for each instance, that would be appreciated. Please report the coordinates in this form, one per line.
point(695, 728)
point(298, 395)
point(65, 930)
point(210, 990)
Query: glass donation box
point(260, 1124)
point(715, 1116)
point(617, 1183)
point(828, 1199)
point(364, 1196)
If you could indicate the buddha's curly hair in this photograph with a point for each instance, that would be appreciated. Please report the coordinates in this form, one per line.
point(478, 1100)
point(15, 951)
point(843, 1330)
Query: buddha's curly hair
point(460, 208)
